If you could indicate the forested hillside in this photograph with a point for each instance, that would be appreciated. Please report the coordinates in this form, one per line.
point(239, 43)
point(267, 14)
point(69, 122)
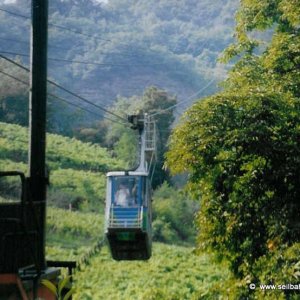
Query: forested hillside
point(121, 47)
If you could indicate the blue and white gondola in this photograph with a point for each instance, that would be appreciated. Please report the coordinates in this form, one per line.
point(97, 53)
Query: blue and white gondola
point(128, 215)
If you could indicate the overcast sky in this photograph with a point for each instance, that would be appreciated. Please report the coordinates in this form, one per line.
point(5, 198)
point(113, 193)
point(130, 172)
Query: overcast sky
point(7, 1)
point(13, 1)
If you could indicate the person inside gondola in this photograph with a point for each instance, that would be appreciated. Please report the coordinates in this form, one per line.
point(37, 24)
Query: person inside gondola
point(122, 195)
point(133, 195)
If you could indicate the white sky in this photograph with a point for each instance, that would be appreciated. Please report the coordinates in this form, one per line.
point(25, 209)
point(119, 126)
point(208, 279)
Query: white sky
point(13, 1)
point(7, 1)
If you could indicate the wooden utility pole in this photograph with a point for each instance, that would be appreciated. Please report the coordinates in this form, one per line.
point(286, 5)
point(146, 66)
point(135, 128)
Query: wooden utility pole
point(37, 118)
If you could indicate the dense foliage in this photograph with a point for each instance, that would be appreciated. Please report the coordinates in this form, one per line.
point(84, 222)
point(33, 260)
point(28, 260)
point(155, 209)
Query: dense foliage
point(14, 102)
point(173, 214)
point(14, 96)
point(172, 273)
point(244, 158)
point(241, 149)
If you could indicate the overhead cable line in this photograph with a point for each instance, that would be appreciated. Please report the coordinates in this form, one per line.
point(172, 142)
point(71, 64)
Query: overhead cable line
point(27, 43)
point(78, 32)
point(87, 101)
point(72, 30)
point(83, 109)
point(67, 91)
point(15, 78)
point(62, 48)
point(186, 100)
point(82, 62)
point(14, 14)
point(90, 36)
point(15, 63)
point(63, 99)
point(13, 40)
point(55, 25)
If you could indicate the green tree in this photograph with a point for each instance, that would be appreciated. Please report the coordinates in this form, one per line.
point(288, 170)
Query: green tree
point(158, 102)
point(123, 140)
point(243, 156)
point(14, 95)
point(94, 134)
point(241, 149)
point(173, 213)
point(14, 102)
point(126, 148)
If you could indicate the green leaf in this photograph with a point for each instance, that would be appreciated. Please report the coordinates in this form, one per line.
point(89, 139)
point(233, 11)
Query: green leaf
point(62, 283)
point(50, 286)
point(69, 294)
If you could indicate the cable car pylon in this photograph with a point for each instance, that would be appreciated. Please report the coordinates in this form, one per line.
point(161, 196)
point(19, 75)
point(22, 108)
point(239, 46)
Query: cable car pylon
point(128, 215)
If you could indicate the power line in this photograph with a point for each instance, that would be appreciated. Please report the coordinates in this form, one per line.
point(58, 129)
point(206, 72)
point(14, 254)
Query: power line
point(27, 43)
point(95, 63)
point(63, 48)
point(14, 14)
point(186, 100)
point(62, 28)
point(107, 111)
point(15, 78)
point(71, 30)
point(67, 91)
point(78, 32)
point(12, 40)
point(56, 26)
point(84, 109)
point(62, 99)
point(14, 53)
point(82, 62)
point(87, 101)
point(15, 63)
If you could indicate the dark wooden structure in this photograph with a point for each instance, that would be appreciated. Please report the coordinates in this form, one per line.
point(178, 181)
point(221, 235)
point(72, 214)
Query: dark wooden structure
point(22, 223)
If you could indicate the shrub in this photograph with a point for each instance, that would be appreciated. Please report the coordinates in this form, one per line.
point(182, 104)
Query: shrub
point(173, 215)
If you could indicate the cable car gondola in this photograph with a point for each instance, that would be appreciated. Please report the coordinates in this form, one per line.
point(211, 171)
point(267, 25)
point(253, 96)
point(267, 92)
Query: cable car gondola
point(128, 204)
point(128, 215)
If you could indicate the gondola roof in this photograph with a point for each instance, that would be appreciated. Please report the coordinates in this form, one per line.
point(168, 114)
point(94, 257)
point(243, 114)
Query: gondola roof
point(127, 173)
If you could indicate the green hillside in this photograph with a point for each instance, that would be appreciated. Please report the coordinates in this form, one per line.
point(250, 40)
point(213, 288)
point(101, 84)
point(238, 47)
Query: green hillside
point(62, 152)
point(77, 170)
point(126, 46)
